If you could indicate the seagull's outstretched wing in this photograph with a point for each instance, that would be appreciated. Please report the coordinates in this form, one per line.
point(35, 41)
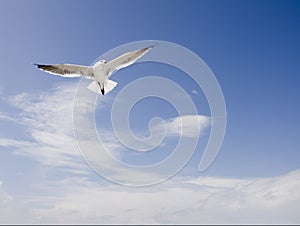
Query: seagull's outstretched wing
point(125, 60)
point(67, 70)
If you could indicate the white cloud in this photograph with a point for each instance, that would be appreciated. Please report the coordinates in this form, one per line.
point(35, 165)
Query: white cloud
point(203, 200)
point(188, 125)
point(195, 92)
point(4, 116)
point(78, 199)
point(14, 143)
point(47, 119)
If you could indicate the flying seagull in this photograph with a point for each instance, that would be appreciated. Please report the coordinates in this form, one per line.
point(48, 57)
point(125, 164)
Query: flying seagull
point(100, 71)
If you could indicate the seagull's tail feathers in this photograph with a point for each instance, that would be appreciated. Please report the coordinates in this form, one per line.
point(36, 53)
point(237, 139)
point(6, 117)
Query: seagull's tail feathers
point(108, 86)
point(94, 87)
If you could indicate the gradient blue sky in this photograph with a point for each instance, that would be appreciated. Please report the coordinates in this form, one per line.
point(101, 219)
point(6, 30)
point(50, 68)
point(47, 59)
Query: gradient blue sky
point(251, 46)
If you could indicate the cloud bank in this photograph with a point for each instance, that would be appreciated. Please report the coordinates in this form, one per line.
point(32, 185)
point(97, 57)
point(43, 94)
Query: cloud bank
point(203, 200)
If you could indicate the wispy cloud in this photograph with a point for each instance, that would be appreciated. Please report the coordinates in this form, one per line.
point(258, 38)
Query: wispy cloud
point(6, 117)
point(50, 141)
point(80, 199)
point(188, 125)
point(47, 118)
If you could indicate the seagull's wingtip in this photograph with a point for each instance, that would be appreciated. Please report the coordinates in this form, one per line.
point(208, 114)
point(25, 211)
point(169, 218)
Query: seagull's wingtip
point(146, 49)
point(39, 65)
point(153, 45)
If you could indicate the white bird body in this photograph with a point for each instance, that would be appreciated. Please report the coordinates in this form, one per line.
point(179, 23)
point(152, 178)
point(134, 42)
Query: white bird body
point(100, 71)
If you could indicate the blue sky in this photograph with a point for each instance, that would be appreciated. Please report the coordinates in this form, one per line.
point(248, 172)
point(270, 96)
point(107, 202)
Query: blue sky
point(251, 46)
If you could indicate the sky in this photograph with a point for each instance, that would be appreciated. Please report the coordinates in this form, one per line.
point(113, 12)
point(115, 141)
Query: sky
point(252, 48)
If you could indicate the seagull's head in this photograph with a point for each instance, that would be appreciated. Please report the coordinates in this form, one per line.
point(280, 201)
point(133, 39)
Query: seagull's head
point(100, 62)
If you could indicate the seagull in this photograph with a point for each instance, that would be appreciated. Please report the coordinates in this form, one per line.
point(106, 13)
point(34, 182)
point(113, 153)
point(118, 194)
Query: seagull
point(100, 71)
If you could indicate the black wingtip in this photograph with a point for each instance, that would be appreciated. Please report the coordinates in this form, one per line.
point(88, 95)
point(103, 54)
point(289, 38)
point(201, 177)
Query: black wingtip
point(153, 45)
point(38, 65)
point(41, 66)
point(150, 47)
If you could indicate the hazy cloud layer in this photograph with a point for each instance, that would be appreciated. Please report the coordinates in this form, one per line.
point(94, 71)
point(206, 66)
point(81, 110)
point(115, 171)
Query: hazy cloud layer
point(197, 201)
